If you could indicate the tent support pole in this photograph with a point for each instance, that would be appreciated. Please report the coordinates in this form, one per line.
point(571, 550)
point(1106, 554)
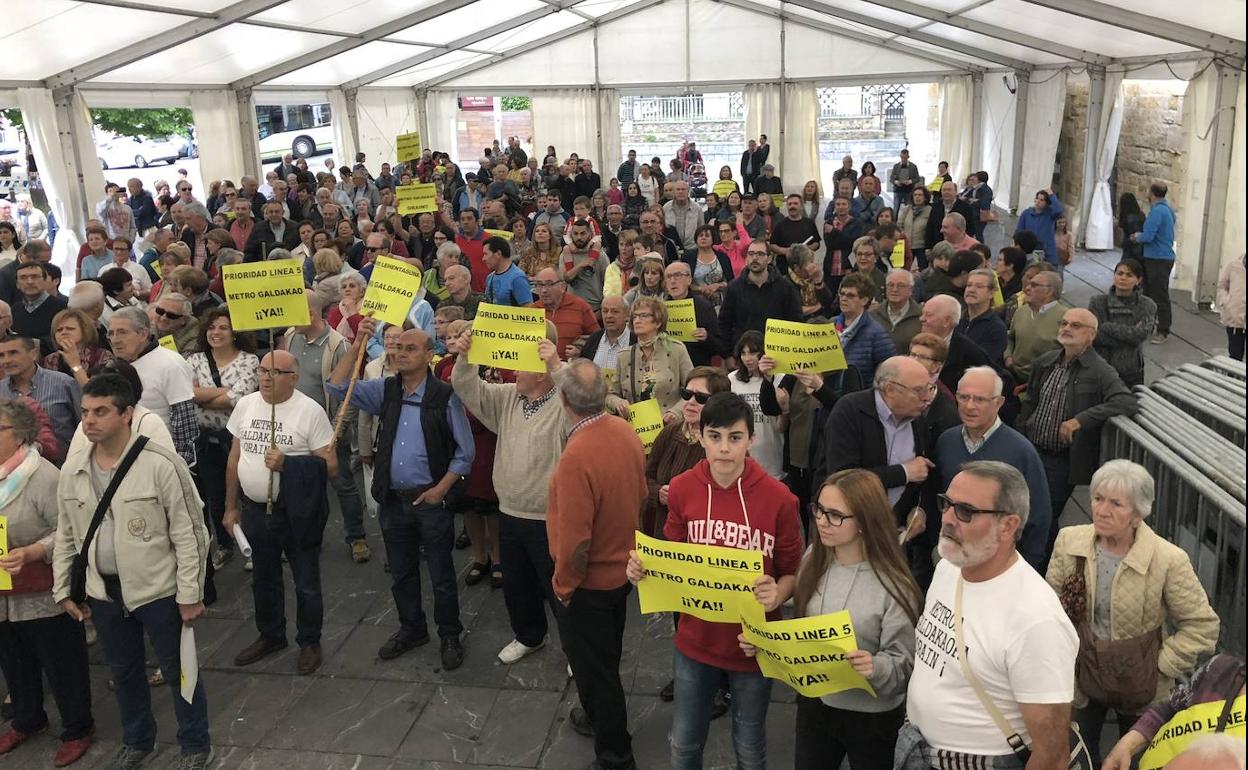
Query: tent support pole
point(977, 120)
point(601, 156)
point(1213, 226)
point(80, 200)
point(1091, 144)
point(422, 114)
point(353, 120)
point(247, 132)
point(1023, 79)
point(784, 113)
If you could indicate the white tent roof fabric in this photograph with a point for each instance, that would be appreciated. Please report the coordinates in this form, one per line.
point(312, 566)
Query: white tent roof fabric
point(533, 43)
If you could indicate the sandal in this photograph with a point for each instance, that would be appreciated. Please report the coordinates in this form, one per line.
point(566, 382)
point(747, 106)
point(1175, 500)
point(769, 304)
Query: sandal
point(476, 573)
point(496, 578)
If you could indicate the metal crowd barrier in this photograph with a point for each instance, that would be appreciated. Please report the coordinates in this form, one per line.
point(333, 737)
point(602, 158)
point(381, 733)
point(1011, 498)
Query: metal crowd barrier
point(1190, 438)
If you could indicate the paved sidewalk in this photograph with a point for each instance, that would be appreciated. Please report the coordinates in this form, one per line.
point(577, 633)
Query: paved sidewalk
point(359, 713)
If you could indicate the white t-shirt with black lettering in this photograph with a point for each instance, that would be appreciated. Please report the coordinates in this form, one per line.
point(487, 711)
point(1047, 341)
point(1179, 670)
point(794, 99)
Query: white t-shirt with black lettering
point(302, 428)
point(1020, 644)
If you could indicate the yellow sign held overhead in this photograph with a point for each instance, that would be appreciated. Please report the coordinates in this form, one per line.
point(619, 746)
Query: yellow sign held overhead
point(807, 654)
point(681, 319)
point(706, 581)
point(265, 295)
point(647, 419)
point(407, 146)
point(391, 289)
point(507, 337)
point(795, 346)
point(1188, 725)
point(505, 234)
point(898, 257)
point(416, 198)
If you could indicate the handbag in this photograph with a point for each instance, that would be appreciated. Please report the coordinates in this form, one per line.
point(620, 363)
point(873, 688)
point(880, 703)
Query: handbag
point(220, 436)
point(1120, 673)
point(1080, 758)
point(78, 570)
point(35, 578)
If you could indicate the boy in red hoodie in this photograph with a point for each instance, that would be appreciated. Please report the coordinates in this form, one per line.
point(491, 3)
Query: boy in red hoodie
point(727, 500)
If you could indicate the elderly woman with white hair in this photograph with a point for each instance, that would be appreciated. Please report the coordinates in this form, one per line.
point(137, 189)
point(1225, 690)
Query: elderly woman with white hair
point(1142, 615)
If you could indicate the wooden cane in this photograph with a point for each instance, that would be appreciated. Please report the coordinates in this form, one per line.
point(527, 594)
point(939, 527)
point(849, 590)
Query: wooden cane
point(346, 400)
point(268, 507)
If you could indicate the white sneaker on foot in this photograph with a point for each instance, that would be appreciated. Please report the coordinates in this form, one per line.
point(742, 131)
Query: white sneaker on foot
point(515, 650)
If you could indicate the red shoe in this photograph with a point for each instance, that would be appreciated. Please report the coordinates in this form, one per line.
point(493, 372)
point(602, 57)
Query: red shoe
point(12, 739)
point(72, 751)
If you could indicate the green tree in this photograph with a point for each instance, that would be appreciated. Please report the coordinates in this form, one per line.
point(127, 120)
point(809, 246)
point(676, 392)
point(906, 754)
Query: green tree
point(517, 103)
point(150, 123)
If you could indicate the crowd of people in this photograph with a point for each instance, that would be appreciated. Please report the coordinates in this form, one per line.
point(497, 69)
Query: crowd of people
point(921, 488)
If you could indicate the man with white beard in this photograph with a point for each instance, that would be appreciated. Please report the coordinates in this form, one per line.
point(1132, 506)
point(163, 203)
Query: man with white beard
point(1019, 644)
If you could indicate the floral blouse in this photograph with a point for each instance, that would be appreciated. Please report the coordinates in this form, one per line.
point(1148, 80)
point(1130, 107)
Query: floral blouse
point(241, 377)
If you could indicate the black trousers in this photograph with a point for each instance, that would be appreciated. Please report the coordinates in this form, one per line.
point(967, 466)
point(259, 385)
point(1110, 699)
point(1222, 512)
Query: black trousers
point(1157, 287)
point(55, 647)
point(527, 571)
point(591, 628)
point(825, 736)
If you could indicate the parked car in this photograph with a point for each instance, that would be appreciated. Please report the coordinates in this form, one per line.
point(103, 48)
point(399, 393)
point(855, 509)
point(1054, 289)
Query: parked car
point(126, 151)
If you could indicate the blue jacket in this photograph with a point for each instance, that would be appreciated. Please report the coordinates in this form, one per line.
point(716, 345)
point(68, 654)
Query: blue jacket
point(1044, 225)
point(866, 346)
point(1158, 234)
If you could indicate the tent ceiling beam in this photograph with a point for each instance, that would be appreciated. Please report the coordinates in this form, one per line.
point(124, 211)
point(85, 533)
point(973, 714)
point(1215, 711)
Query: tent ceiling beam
point(901, 30)
point(137, 6)
point(1164, 28)
point(349, 44)
point(156, 44)
point(667, 87)
point(558, 6)
point(991, 30)
point(460, 44)
point(606, 18)
point(834, 29)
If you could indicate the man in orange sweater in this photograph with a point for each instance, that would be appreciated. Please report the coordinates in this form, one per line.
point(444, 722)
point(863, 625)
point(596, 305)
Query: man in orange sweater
point(591, 516)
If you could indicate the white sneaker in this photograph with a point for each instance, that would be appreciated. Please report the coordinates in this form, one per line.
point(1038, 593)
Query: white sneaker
point(515, 650)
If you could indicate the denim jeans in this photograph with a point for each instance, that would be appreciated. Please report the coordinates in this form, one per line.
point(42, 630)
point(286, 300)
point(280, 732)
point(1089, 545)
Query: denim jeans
point(405, 528)
point(1057, 471)
point(696, 684)
point(527, 572)
point(270, 536)
point(121, 633)
point(348, 494)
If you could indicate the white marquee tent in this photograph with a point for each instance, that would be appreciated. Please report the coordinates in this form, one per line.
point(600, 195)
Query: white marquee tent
point(392, 66)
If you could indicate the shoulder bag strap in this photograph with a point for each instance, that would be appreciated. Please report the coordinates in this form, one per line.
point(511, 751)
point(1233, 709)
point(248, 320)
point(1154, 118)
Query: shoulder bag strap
point(212, 368)
point(1232, 695)
point(111, 490)
point(1011, 735)
point(632, 370)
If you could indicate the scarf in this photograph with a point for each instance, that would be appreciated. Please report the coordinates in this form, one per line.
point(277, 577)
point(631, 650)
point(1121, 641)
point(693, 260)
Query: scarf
point(16, 471)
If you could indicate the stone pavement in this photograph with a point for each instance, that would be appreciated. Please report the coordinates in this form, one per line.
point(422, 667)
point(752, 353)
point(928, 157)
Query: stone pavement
point(359, 713)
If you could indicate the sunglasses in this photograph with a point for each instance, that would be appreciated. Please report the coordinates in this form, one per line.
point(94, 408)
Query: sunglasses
point(701, 398)
point(963, 511)
point(160, 311)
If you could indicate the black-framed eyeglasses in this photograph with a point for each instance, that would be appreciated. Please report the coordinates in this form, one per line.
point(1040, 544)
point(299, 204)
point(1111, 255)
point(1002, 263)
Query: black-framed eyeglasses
point(964, 512)
point(701, 398)
point(274, 372)
point(830, 515)
point(372, 248)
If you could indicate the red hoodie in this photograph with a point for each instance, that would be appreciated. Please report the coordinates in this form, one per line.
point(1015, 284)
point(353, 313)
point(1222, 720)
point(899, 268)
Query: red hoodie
point(768, 523)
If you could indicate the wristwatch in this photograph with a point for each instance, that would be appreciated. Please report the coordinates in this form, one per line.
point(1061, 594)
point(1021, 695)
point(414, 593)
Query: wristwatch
point(75, 369)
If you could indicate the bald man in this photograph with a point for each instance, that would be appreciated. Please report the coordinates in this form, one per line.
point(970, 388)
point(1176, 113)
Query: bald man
point(1071, 394)
point(426, 421)
point(278, 415)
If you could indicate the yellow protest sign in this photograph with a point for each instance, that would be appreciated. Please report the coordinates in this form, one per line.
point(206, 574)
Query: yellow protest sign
point(156, 268)
point(807, 654)
point(1188, 725)
point(723, 187)
point(998, 299)
point(391, 289)
point(506, 234)
point(705, 581)
point(803, 346)
point(647, 419)
point(169, 343)
point(898, 257)
point(416, 198)
point(6, 580)
point(507, 337)
point(265, 295)
point(681, 319)
point(407, 146)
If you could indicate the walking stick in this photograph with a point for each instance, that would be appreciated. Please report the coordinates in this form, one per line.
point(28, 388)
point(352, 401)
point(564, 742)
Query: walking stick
point(346, 400)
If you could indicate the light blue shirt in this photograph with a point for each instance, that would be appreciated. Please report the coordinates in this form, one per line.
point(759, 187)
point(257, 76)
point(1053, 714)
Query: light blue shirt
point(898, 437)
point(409, 458)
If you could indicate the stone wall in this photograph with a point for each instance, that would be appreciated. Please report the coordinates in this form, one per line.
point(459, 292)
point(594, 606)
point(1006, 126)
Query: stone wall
point(1150, 146)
